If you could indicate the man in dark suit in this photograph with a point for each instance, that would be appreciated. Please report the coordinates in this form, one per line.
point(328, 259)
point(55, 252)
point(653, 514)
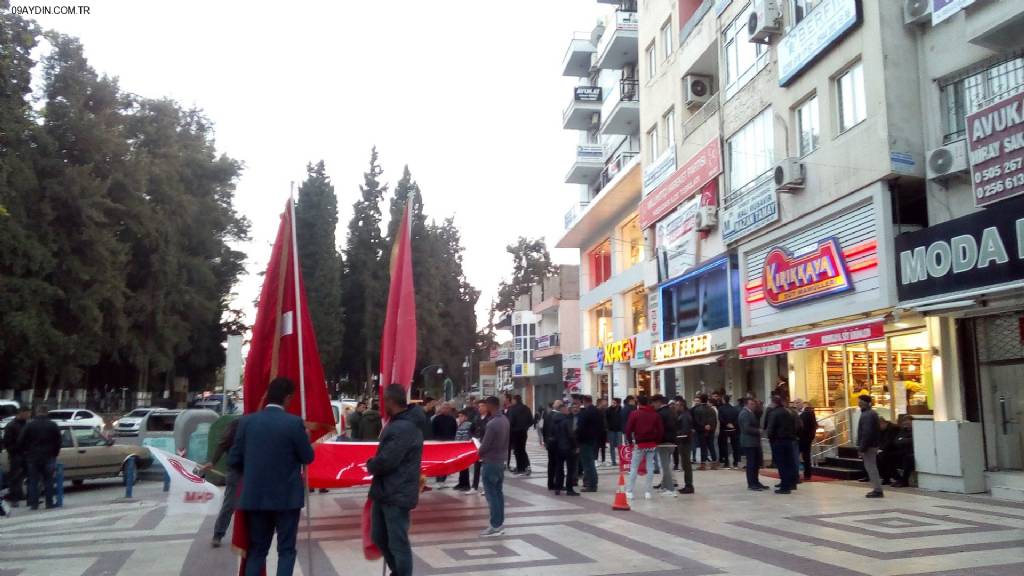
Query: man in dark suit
point(271, 446)
point(807, 431)
point(40, 443)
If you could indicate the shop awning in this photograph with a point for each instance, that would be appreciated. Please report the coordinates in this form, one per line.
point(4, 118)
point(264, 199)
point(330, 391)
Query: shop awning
point(861, 331)
point(688, 362)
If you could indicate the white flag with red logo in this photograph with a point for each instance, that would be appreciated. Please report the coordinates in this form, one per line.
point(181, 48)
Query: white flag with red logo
point(189, 493)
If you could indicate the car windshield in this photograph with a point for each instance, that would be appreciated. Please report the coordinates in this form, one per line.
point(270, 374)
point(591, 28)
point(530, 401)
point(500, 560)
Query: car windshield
point(88, 437)
point(137, 413)
point(60, 414)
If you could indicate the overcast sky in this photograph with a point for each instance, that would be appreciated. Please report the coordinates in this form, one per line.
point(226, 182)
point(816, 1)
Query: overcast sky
point(468, 93)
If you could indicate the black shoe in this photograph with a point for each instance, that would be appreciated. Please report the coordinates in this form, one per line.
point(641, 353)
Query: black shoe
point(779, 485)
point(756, 488)
point(874, 494)
point(782, 491)
point(36, 507)
point(898, 484)
point(558, 492)
point(571, 493)
point(686, 490)
point(589, 490)
point(763, 487)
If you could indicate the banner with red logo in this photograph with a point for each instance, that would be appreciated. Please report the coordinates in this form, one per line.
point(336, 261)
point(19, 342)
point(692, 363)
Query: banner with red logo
point(788, 279)
point(704, 166)
point(847, 334)
point(189, 493)
point(626, 460)
point(343, 464)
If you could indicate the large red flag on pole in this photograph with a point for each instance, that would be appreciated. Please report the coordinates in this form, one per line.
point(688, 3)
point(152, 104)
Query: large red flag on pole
point(284, 345)
point(398, 340)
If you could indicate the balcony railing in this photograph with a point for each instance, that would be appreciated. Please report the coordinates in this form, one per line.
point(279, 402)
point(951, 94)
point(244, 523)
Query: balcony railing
point(701, 116)
point(574, 213)
point(616, 164)
point(583, 96)
point(629, 90)
point(547, 341)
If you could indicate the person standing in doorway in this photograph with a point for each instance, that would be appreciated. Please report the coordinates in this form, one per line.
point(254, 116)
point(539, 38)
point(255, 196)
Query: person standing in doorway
point(16, 456)
point(270, 448)
point(868, 437)
point(519, 419)
point(809, 427)
point(492, 454)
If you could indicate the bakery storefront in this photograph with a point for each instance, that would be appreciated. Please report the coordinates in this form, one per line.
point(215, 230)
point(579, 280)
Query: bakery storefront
point(699, 316)
point(967, 276)
point(817, 306)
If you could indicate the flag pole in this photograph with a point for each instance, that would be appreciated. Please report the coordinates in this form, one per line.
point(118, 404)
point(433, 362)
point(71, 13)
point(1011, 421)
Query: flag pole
point(302, 369)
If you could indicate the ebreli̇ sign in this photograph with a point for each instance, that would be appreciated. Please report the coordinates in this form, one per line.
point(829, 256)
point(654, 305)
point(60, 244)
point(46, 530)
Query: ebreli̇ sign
point(995, 148)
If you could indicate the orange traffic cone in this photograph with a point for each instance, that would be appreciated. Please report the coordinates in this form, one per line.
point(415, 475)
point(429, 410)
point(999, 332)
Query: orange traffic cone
point(621, 503)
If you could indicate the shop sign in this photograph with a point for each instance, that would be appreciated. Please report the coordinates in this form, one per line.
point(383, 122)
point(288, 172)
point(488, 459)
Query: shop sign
point(749, 212)
point(588, 94)
point(683, 348)
point(995, 149)
point(975, 251)
point(790, 280)
point(656, 172)
point(654, 314)
point(618, 351)
point(849, 334)
point(571, 378)
point(544, 341)
point(821, 29)
point(676, 240)
point(704, 166)
point(943, 9)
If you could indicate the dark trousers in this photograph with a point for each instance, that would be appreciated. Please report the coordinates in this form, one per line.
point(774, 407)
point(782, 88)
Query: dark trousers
point(784, 457)
point(40, 470)
point(464, 477)
point(552, 466)
point(729, 441)
point(517, 438)
point(227, 506)
point(389, 530)
point(565, 470)
point(262, 526)
point(753, 458)
point(588, 456)
point(706, 443)
point(16, 480)
point(805, 456)
point(683, 453)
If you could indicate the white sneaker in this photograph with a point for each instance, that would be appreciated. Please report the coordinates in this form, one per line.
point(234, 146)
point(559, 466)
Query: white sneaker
point(491, 532)
point(629, 495)
point(482, 493)
point(647, 496)
point(468, 492)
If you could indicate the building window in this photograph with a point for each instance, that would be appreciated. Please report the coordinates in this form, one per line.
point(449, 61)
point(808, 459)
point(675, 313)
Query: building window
point(801, 8)
point(807, 130)
point(743, 58)
point(600, 264)
point(751, 151)
point(968, 93)
point(850, 95)
point(652, 141)
point(633, 242)
point(601, 317)
point(666, 38)
point(670, 128)
point(638, 308)
point(525, 337)
point(652, 61)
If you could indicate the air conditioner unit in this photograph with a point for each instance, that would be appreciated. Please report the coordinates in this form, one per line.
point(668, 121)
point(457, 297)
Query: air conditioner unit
point(917, 11)
point(789, 175)
point(698, 89)
point(764, 21)
point(707, 217)
point(948, 160)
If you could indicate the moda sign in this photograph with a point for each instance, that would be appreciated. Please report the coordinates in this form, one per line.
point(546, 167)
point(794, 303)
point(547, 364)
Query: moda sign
point(980, 250)
point(789, 280)
point(995, 148)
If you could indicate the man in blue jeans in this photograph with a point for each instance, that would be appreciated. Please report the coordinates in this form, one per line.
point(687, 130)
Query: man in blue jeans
point(493, 449)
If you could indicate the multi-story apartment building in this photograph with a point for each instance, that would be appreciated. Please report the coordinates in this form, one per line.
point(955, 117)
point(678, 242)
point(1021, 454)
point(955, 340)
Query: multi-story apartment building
point(603, 223)
point(797, 156)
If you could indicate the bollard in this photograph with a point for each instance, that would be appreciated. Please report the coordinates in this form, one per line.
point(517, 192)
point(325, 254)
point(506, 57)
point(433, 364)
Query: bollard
point(129, 477)
point(58, 479)
point(167, 481)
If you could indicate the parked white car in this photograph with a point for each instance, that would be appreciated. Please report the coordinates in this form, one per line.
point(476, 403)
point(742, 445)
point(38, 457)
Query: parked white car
point(130, 423)
point(78, 417)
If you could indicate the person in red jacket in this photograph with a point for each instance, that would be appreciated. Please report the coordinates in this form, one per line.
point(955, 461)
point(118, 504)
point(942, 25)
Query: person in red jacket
point(644, 430)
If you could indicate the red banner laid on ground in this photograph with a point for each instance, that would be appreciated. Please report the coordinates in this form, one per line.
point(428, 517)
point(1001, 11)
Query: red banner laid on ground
point(343, 464)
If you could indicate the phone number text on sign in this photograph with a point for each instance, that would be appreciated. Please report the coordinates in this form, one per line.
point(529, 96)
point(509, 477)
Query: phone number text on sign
point(995, 142)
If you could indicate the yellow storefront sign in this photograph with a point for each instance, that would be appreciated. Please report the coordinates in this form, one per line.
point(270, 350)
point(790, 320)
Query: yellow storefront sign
point(682, 348)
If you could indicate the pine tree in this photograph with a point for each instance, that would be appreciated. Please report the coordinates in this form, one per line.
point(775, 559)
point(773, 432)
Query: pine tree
point(316, 218)
point(364, 281)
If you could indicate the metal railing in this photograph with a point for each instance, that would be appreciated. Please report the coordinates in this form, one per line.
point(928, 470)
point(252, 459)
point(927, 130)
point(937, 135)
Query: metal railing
point(839, 432)
point(616, 164)
point(629, 90)
point(574, 213)
point(702, 115)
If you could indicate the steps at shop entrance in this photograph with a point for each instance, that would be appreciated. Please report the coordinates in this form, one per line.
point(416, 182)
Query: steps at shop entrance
point(846, 465)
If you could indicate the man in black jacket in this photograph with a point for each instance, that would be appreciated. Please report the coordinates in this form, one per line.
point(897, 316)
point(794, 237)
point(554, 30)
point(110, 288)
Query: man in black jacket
point(443, 427)
point(519, 419)
point(868, 439)
point(613, 423)
point(566, 450)
point(705, 422)
point(684, 443)
point(548, 429)
point(40, 442)
point(590, 433)
point(668, 443)
point(15, 456)
point(780, 427)
point(807, 431)
point(728, 433)
point(395, 490)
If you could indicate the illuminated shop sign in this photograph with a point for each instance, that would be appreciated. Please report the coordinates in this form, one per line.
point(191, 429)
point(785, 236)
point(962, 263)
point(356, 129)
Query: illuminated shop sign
point(618, 351)
point(790, 280)
point(683, 348)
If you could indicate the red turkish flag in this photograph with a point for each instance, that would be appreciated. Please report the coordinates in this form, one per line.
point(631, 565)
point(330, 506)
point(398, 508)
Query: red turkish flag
point(398, 341)
point(284, 345)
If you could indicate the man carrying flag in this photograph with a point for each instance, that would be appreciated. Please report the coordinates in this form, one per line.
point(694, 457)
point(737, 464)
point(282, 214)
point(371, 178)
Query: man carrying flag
point(271, 446)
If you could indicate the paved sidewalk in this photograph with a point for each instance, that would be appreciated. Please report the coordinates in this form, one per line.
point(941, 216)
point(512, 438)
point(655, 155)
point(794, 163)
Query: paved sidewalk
point(825, 528)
